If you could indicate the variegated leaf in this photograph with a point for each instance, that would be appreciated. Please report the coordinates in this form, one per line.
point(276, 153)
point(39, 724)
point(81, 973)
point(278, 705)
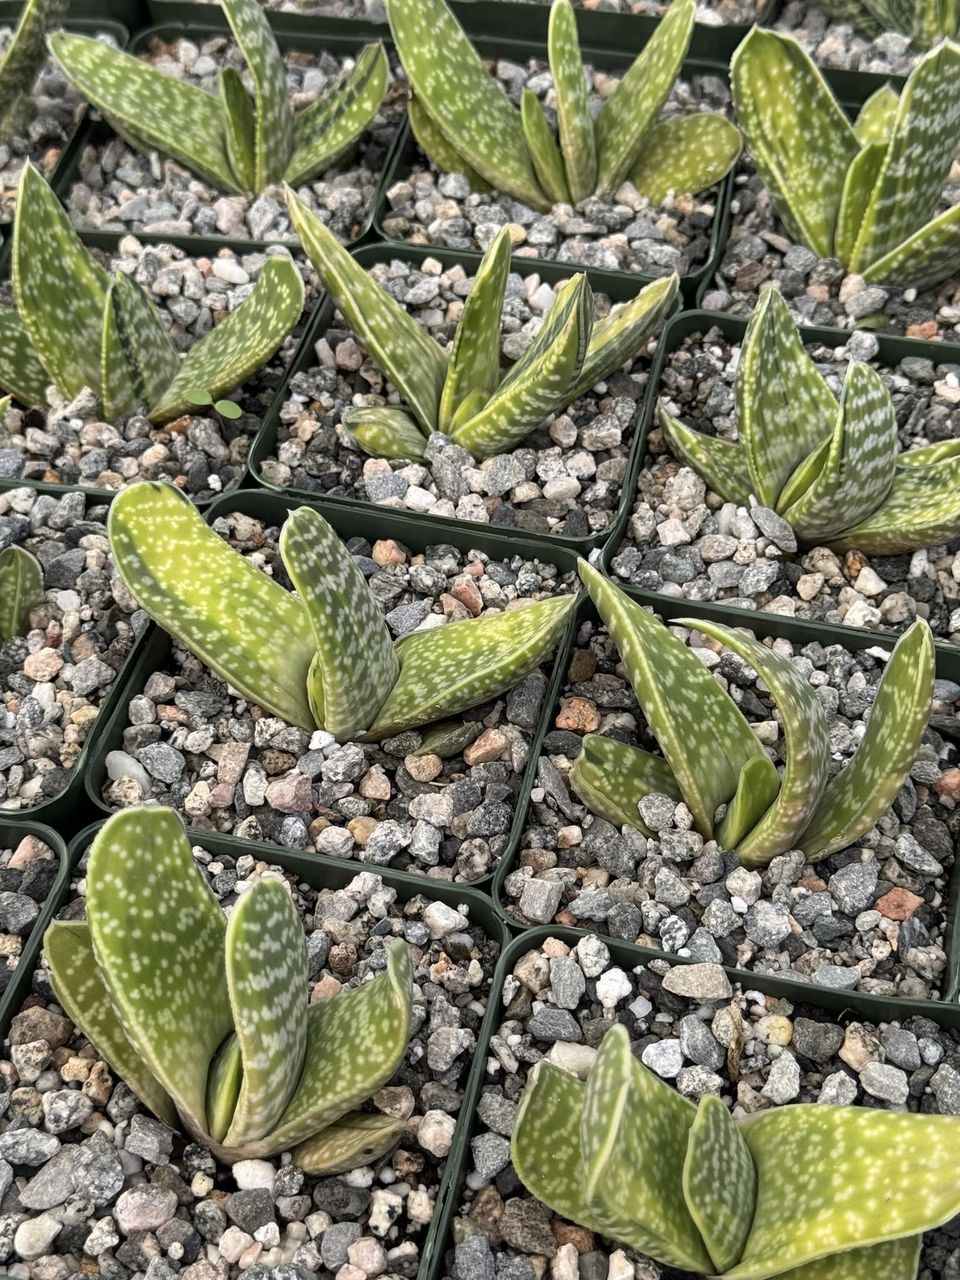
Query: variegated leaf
point(685, 154)
point(622, 335)
point(21, 370)
point(859, 12)
point(719, 1182)
point(921, 510)
point(441, 153)
point(858, 187)
point(875, 119)
point(329, 127)
point(860, 794)
point(924, 454)
point(574, 122)
point(449, 669)
point(898, 1260)
point(360, 1138)
point(274, 120)
point(544, 152)
point(384, 432)
point(138, 360)
point(611, 778)
point(929, 256)
point(239, 128)
point(21, 589)
point(934, 19)
point(757, 789)
point(721, 463)
point(26, 54)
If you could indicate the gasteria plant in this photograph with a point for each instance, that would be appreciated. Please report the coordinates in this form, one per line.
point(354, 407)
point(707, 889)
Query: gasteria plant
point(76, 327)
point(322, 658)
point(810, 1191)
point(866, 193)
point(206, 1018)
point(236, 144)
point(924, 21)
point(23, 59)
point(463, 121)
point(834, 471)
point(21, 589)
point(466, 395)
point(712, 757)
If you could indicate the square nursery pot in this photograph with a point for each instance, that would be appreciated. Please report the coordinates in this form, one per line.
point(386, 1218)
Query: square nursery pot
point(194, 281)
point(343, 476)
point(456, 939)
point(156, 198)
point(886, 924)
point(858, 64)
point(33, 871)
point(447, 814)
point(758, 1043)
point(702, 223)
point(696, 374)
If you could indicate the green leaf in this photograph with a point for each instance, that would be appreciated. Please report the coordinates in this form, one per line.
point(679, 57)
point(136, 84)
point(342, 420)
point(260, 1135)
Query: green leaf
point(858, 187)
point(574, 121)
point(924, 259)
point(474, 364)
point(360, 1138)
point(622, 334)
point(462, 98)
point(924, 454)
point(757, 789)
point(21, 589)
point(837, 1178)
point(874, 122)
point(401, 346)
point(330, 126)
point(239, 128)
point(356, 664)
point(634, 105)
point(934, 19)
point(796, 133)
point(80, 990)
point(157, 934)
point(26, 54)
point(273, 145)
point(232, 352)
point(544, 152)
point(611, 778)
point(384, 432)
point(238, 621)
point(149, 108)
point(449, 669)
point(721, 463)
point(266, 966)
point(685, 154)
point(5, 403)
point(227, 409)
point(224, 1080)
point(441, 153)
point(898, 1260)
point(921, 510)
point(21, 370)
point(138, 360)
point(719, 1182)
point(860, 794)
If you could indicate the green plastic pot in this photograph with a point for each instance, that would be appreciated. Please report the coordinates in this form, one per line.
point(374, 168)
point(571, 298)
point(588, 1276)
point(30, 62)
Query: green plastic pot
point(12, 831)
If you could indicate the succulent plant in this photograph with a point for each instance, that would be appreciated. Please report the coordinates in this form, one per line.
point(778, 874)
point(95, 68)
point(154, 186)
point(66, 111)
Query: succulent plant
point(712, 757)
point(75, 327)
point(924, 21)
point(235, 144)
point(834, 471)
point(868, 192)
point(465, 395)
point(21, 588)
point(322, 658)
point(205, 1017)
point(465, 123)
point(25, 55)
point(810, 1191)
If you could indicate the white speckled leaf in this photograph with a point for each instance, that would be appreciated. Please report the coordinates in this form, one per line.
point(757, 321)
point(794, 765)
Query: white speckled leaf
point(857, 188)
point(266, 963)
point(21, 371)
point(330, 126)
point(356, 663)
point(859, 795)
point(441, 153)
point(360, 1138)
point(921, 510)
point(611, 778)
point(924, 454)
point(232, 352)
point(796, 133)
point(452, 668)
point(622, 334)
point(836, 1178)
point(384, 432)
point(241, 623)
point(274, 119)
point(21, 589)
point(629, 112)
point(544, 152)
point(685, 154)
point(874, 122)
point(120, 389)
point(26, 54)
point(757, 789)
point(157, 934)
point(574, 122)
point(926, 258)
point(138, 359)
point(721, 463)
point(719, 1182)
point(239, 128)
point(898, 1260)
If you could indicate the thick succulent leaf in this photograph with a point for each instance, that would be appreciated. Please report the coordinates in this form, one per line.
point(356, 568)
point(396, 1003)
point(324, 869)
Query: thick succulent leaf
point(241, 623)
point(360, 1138)
point(719, 1182)
point(918, 158)
point(874, 122)
point(574, 122)
point(678, 696)
point(157, 933)
point(80, 990)
point(274, 119)
point(449, 669)
point(634, 105)
point(784, 408)
point(148, 107)
point(835, 1178)
point(329, 127)
point(266, 963)
point(611, 778)
point(474, 365)
point(721, 463)
point(239, 128)
point(384, 432)
point(400, 345)
point(757, 789)
point(544, 152)
point(622, 335)
point(21, 370)
point(685, 154)
point(356, 662)
point(224, 1080)
point(138, 360)
point(227, 356)
point(898, 1260)
point(26, 53)
point(796, 133)
point(58, 286)
point(859, 795)
point(933, 19)
point(857, 188)
point(462, 98)
point(633, 1138)
point(926, 258)
point(921, 510)
point(924, 454)
point(21, 589)
point(442, 154)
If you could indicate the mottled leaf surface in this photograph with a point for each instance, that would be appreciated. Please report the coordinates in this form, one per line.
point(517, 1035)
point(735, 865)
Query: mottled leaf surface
point(138, 359)
point(719, 1182)
point(857, 189)
point(474, 364)
point(434, 145)
point(898, 1260)
point(612, 777)
point(26, 53)
point(721, 463)
point(326, 129)
point(21, 370)
point(921, 510)
point(384, 432)
point(685, 154)
point(274, 119)
point(574, 122)
point(544, 152)
point(874, 122)
point(21, 589)
point(622, 334)
point(928, 256)
point(239, 128)
point(360, 1138)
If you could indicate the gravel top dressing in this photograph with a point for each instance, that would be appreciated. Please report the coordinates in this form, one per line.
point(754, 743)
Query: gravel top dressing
point(703, 1036)
point(711, 13)
point(56, 676)
point(88, 1173)
point(629, 234)
point(27, 873)
point(123, 189)
point(565, 478)
point(842, 46)
point(204, 456)
point(682, 539)
point(872, 917)
point(438, 800)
